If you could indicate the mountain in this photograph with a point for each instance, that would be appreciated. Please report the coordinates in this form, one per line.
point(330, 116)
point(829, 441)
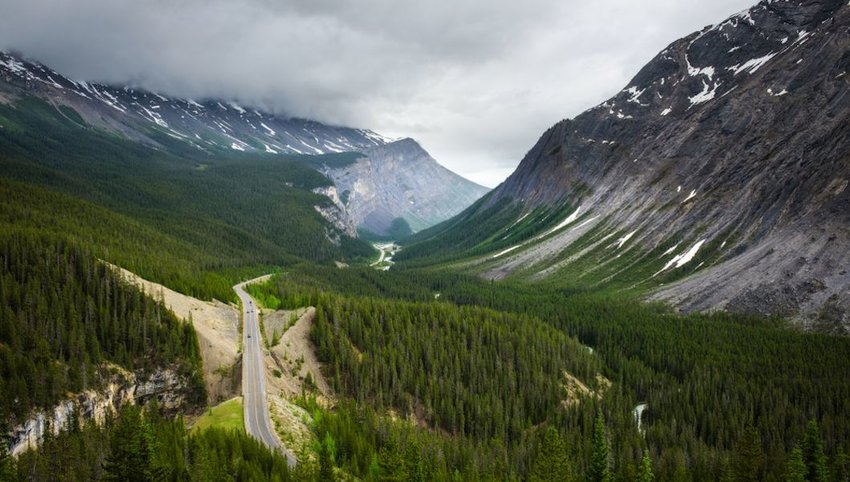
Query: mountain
point(207, 125)
point(383, 182)
point(398, 185)
point(715, 180)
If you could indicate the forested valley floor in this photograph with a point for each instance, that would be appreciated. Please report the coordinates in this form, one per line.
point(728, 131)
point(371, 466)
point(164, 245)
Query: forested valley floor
point(437, 374)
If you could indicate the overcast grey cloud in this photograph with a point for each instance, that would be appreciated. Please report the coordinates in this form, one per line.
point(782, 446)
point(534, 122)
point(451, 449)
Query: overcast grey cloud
point(475, 81)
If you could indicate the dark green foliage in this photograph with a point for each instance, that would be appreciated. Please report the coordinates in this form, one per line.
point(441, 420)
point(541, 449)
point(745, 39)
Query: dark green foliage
point(237, 212)
point(467, 370)
point(748, 460)
point(7, 467)
point(63, 314)
point(817, 468)
point(326, 463)
point(132, 450)
point(599, 469)
point(841, 466)
point(795, 469)
point(141, 445)
point(551, 462)
point(645, 472)
point(375, 447)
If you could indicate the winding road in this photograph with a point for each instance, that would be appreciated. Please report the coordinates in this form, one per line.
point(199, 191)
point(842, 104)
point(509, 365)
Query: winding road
point(257, 421)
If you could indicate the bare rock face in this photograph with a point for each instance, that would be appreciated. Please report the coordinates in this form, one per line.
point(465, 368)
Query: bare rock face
point(165, 386)
point(739, 133)
point(337, 213)
point(401, 180)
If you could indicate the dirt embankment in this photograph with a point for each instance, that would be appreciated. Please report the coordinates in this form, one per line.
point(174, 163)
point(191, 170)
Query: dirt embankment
point(217, 326)
point(294, 355)
point(292, 369)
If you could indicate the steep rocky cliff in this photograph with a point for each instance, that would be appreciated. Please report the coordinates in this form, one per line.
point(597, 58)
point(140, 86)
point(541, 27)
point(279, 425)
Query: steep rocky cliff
point(717, 177)
point(165, 386)
point(401, 180)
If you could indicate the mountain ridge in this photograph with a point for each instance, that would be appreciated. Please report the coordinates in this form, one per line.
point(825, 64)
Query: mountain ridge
point(217, 127)
point(209, 124)
point(719, 171)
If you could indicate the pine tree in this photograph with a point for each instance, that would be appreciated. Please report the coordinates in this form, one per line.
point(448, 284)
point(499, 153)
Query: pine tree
point(202, 469)
point(6, 467)
point(599, 470)
point(645, 472)
point(841, 467)
point(414, 467)
point(748, 460)
point(551, 461)
point(128, 460)
point(816, 463)
point(5, 460)
point(795, 467)
point(374, 470)
point(391, 464)
point(326, 465)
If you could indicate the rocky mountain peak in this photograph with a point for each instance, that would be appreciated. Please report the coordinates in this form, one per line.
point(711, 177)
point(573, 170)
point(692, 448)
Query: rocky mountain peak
point(401, 181)
point(733, 141)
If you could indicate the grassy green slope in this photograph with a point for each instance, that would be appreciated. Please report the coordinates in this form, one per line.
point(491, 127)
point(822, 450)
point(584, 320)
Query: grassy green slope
point(482, 238)
point(478, 230)
point(226, 415)
point(192, 220)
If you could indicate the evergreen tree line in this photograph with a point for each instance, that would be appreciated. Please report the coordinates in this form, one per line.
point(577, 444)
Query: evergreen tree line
point(190, 219)
point(376, 447)
point(705, 378)
point(140, 445)
point(467, 370)
point(65, 316)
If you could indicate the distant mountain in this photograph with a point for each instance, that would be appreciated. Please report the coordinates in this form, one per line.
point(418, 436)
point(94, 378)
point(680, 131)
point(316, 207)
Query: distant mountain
point(382, 183)
point(209, 124)
point(717, 179)
point(400, 181)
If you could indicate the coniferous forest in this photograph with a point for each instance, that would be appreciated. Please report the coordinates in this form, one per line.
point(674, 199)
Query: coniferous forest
point(436, 373)
point(725, 395)
point(67, 318)
point(142, 445)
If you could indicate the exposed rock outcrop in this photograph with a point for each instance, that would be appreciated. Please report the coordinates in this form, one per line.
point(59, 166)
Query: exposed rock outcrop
point(165, 386)
point(734, 138)
point(401, 180)
point(337, 214)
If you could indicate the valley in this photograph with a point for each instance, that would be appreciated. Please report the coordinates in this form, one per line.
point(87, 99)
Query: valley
point(203, 290)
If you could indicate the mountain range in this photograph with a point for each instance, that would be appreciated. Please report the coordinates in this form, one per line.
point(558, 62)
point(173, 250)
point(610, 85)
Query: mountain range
point(160, 257)
point(218, 126)
point(715, 180)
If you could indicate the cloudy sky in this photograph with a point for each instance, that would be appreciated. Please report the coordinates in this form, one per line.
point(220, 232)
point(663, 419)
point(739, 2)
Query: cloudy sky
point(475, 81)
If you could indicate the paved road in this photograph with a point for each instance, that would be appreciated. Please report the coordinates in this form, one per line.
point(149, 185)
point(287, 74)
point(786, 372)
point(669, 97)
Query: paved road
point(257, 421)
